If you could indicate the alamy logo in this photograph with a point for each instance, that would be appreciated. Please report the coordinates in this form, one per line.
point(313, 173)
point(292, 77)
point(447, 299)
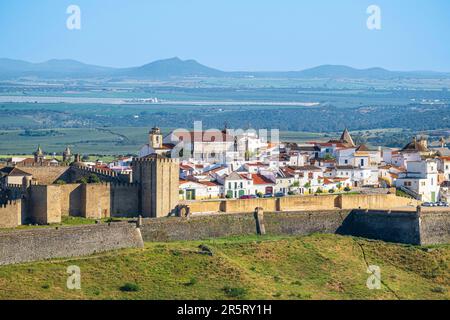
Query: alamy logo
point(74, 20)
point(74, 280)
point(374, 20)
point(374, 280)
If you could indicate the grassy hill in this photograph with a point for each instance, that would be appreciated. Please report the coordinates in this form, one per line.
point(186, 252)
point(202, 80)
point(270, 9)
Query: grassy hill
point(313, 267)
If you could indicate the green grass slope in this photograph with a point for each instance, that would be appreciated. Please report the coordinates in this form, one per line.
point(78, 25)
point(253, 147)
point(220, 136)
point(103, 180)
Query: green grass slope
point(312, 267)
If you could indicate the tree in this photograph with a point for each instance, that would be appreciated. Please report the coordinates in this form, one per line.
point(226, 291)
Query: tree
point(83, 180)
point(296, 184)
point(93, 178)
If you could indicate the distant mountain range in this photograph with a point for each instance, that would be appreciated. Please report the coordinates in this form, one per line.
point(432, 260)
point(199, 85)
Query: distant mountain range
point(177, 68)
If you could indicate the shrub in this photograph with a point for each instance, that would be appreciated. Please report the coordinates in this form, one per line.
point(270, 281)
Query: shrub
point(438, 290)
point(130, 287)
point(277, 295)
point(235, 292)
point(347, 189)
point(319, 191)
point(191, 282)
point(93, 178)
point(331, 191)
point(83, 180)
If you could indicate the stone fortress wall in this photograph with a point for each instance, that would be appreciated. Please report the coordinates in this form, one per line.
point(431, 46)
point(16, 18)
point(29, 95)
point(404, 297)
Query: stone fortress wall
point(94, 201)
point(417, 228)
point(48, 243)
point(10, 214)
point(154, 194)
point(52, 194)
point(304, 203)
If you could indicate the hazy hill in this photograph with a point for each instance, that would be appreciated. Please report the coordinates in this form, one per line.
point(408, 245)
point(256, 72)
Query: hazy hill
point(177, 68)
point(50, 69)
point(173, 67)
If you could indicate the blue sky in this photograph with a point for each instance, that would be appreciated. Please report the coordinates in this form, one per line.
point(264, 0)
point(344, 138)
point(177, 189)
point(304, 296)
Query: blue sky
point(231, 34)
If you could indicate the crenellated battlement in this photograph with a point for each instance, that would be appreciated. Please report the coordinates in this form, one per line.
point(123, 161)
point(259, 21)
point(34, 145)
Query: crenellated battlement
point(11, 203)
point(153, 159)
point(13, 186)
point(125, 184)
point(102, 172)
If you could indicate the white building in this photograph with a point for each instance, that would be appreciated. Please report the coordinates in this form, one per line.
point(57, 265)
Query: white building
point(421, 180)
point(444, 167)
point(200, 190)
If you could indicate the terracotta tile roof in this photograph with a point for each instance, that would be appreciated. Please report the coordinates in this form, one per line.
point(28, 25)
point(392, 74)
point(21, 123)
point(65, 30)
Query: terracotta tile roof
point(362, 147)
point(165, 146)
point(306, 168)
point(210, 183)
point(258, 164)
point(260, 179)
point(186, 167)
point(30, 161)
point(215, 169)
point(17, 173)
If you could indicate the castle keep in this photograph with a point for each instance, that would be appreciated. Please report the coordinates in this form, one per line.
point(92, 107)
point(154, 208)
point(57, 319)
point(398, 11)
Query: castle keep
point(158, 179)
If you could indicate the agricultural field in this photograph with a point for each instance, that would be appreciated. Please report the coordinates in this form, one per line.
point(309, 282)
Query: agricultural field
point(299, 268)
point(96, 141)
point(303, 110)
